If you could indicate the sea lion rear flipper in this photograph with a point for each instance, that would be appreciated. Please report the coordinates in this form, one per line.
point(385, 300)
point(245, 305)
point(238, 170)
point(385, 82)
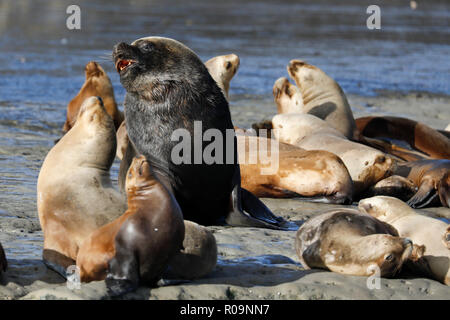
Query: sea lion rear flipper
point(425, 196)
point(259, 215)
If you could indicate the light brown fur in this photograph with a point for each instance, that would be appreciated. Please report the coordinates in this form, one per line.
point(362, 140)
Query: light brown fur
point(348, 242)
point(75, 195)
point(97, 83)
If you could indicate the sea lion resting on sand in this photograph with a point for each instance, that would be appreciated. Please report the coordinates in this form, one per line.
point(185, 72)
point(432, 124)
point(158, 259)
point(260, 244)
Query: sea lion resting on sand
point(169, 88)
point(366, 165)
point(321, 97)
point(314, 175)
point(422, 230)
point(349, 242)
point(75, 195)
point(419, 136)
point(432, 177)
point(137, 246)
point(97, 83)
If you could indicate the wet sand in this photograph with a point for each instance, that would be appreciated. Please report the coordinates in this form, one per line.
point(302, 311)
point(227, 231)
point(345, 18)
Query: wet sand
point(402, 71)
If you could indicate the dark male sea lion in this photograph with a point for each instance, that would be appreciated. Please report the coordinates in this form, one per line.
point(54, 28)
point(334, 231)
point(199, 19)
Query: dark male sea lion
point(97, 83)
point(169, 88)
point(136, 247)
point(418, 135)
point(350, 242)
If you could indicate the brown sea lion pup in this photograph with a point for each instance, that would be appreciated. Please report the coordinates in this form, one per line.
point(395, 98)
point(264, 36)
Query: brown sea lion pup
point(75, 195)
point(432, 177)
point(171, 93)
point(322, 97)
point(366, 165)
point(418, 135)
point(292, 171)
point(3, 261)
point(422, 230)
point(198, 257)
point(136, 247)
point(223, 69)
point(349, 242)
point(97, 83)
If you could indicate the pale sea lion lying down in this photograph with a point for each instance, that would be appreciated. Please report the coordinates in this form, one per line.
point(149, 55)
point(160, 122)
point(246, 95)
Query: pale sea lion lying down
point(366, 165)
point(350, 242)
point(432, 233)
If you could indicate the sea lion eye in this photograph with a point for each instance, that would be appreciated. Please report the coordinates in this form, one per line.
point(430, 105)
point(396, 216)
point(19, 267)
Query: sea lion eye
point(147, 46)
point(389, 257)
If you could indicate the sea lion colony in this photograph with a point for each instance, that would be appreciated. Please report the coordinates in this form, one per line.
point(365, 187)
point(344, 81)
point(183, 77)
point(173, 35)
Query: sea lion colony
point(323, 154)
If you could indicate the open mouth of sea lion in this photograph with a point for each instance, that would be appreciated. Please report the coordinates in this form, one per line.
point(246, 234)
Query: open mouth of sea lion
point(123, 64)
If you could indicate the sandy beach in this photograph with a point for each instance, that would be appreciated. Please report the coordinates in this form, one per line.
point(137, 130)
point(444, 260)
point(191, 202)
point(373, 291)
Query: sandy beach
point(402, 71)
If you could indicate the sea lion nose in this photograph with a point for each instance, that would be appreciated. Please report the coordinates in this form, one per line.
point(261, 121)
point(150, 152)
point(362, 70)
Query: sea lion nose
point(122, 46)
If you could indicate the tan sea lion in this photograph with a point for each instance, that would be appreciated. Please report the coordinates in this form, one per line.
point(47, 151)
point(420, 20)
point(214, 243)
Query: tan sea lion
point(122, 140)
point(432, 177)
point(137, 246)
point(198, 257)
point(75, 195)
point(222, 69)
point(315, 175)
point(422, 230)
point(97, 83)
point(322, 97)
point(349, 242)
point(366, 165)
point(288, 97)
point(3, 261)
point(418, 135)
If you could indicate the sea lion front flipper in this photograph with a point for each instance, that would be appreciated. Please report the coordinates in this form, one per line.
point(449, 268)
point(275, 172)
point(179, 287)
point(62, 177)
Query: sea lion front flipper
point(57, 262)
point(425, 196)
point(123, 274)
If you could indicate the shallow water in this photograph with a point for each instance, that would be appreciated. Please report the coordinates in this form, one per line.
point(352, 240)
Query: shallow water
point(42, 63)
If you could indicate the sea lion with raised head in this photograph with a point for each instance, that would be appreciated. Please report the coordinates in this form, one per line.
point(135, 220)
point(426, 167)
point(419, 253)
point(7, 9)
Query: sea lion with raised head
point(422, 230)
point(432, 178)
point(312, 175)
point(288, 97)
point(169, 93)
point(322, 97)
point(97, 83)
point(418, 135)
point(75, 195)
point(137, 246)
point(349, 242)
point(222, 69)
